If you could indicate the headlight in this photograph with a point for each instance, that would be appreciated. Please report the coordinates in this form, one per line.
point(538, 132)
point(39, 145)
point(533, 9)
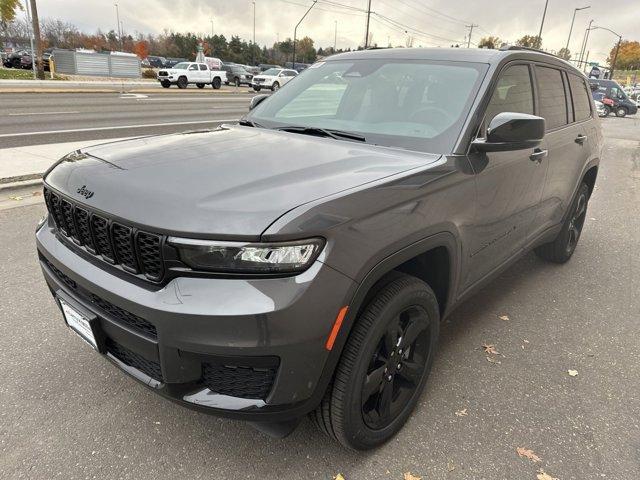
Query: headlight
point(251, 258)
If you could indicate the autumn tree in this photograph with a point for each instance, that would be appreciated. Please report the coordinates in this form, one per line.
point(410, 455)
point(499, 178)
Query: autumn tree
point(8, 10)
point(489, 42)
point(628, 56)
point(564, 53)
point(141, 49)
point(530, 41)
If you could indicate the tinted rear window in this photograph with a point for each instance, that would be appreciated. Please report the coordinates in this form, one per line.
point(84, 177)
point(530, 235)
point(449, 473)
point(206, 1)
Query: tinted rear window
point(580, 94)
point(553, 103)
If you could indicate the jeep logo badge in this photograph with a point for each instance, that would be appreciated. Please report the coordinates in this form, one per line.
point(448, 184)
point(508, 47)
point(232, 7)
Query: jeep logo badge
point(85, 193)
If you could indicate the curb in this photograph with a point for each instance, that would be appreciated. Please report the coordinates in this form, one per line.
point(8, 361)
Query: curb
point(21, 181)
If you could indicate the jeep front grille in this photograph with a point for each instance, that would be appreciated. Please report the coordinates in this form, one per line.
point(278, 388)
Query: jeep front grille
point(134, 250)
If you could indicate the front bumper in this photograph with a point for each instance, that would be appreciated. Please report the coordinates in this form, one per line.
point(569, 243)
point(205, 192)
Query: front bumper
point(173, 336)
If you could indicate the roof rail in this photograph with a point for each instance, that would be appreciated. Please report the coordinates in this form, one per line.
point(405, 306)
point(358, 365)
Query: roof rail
point(529, 49)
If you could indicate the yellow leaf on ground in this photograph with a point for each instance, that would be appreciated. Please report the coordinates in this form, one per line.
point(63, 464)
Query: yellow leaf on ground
point(490, 349)
point(462, 413)
point(410, 476)
point(524, 452)
point(572, 373)
point(451, 466)
point(504, 317)
point(545, 476)
point(338, 477)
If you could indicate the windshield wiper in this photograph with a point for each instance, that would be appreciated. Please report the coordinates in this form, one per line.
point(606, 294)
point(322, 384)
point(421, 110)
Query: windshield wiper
point(249, 123)
point(324, 132)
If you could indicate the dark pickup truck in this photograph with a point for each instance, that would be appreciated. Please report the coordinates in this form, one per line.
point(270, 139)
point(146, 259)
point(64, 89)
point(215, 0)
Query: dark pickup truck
point(301, 261)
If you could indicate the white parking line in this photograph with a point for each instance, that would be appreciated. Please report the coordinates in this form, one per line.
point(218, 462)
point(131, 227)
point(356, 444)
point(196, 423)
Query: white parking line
point(39, 113)
point(118, 127)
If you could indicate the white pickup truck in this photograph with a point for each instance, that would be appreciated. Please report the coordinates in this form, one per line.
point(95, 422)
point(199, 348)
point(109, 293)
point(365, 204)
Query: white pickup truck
point(184, 73)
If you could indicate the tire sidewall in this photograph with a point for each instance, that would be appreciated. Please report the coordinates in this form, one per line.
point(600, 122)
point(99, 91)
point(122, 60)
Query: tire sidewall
point(621, 112)
point(358, 434)
point(584, 189)
point(275, 87)
point(216, 83)
point(182, 82)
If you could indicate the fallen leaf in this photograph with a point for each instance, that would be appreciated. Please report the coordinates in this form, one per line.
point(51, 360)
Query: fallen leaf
point(462, 413)
point(37, 193)
point(451, 466)
point(524, 452)
point(572, 373)
point(17, 198)
point(338, 477)
point(545, 476)
point(504, 317)
point(409, 476)
point(489, 348)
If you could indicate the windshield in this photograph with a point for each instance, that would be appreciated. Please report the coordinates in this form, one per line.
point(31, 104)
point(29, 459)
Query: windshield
point(274, 72)
point(181, 66)
point(419, 105)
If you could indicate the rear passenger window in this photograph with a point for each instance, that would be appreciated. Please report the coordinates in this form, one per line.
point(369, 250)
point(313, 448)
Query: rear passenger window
point(203, 67)
point(513, 93)
point(580, 94)
point(553, 103)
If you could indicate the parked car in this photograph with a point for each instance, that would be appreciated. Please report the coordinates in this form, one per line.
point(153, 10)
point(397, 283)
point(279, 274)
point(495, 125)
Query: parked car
point(622, 104)
point(214, 63)
point(236, 75)
point(14, 60)
point(171, 62)
point(266, 66)
point(184, 73)
point(223, 275)
point(272, 79)
point(158, 62)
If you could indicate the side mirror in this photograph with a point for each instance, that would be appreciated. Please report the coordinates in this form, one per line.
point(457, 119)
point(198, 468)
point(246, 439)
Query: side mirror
point(511, 131)
point(257, 100)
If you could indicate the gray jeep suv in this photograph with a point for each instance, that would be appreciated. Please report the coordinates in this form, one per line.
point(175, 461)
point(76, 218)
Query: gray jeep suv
point(301, 261)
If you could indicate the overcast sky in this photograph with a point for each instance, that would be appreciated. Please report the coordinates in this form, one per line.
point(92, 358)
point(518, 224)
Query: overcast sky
point(439, 22)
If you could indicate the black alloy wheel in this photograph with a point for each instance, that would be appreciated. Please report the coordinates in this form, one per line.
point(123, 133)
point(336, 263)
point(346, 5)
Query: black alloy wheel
point(396, 368)
point(576, 221)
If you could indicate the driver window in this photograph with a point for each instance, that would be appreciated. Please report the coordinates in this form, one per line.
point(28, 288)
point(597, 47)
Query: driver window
point(193, 67)
point(513, 93)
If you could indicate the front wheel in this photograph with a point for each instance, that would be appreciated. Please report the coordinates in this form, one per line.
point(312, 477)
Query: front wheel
point(257, 89)
point(562, 248)
point(275, 87)
point(183, 82)
point(621, 112)
point(383, 367)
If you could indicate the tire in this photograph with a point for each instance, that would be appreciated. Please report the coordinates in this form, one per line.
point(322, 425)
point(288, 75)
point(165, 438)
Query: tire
point(200, 85)
point(236, 82)
point(165, 83)
point(257, 89)
point(561, 249)
point(621, 112)
point(405, 304)
point(182, 82)
point(275, 87)
point(16, 63)
point(216, 83)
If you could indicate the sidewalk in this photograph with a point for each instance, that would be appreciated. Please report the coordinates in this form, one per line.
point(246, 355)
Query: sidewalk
point(21, 164)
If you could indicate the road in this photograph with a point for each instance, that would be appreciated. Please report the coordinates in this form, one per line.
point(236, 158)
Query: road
point(36, 119)
point(67, 413)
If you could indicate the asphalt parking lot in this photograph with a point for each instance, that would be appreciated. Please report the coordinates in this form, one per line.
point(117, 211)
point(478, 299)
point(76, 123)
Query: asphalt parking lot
point(65, 412)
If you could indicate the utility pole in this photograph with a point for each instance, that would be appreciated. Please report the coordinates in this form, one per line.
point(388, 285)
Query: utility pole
point(211, 27)
point(615, 58)
point(118, 23)
point(585, 40)
point(470, 27)
point(575, 10)
point(335, 36)
point(33, 52)
point(295, 32)
point(366, 36)
point(544, 14)
point(253, 47)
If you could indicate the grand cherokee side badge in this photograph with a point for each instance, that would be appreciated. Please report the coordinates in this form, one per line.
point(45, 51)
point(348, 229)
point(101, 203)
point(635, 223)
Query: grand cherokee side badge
point(84, 192)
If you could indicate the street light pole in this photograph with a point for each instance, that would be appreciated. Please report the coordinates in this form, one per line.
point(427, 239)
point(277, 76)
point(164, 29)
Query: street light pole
point(366, 36)
point(615, 58)
point(544, 14)
point(575, 10)
point(211, 28)
point(295, 32)
point(118, 21)
point(584, 41)
point(335, 37)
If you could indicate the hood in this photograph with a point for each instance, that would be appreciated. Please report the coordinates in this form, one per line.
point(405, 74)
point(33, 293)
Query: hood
point(231, 182)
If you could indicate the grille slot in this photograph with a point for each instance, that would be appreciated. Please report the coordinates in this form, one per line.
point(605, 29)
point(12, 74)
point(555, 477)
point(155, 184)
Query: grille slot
point(126, 356)
point(117, 243)
point(239, 380)
point(118, 314)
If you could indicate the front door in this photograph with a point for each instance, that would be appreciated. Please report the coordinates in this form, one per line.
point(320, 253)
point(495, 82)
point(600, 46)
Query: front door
point(509, 184)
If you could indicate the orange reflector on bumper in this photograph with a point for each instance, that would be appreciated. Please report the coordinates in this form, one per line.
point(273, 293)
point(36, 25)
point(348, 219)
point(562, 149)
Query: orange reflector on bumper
point(336, 327)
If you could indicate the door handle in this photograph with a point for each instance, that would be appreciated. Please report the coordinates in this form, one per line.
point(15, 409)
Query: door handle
point(580, 139)
point(538, 155)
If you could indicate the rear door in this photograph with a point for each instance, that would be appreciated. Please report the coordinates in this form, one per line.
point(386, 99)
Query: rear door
point(509, 183)
point(567, 139)
point(205, 77)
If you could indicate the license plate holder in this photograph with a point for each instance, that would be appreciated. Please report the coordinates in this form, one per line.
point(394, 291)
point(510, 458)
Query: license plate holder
point(81, 321)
